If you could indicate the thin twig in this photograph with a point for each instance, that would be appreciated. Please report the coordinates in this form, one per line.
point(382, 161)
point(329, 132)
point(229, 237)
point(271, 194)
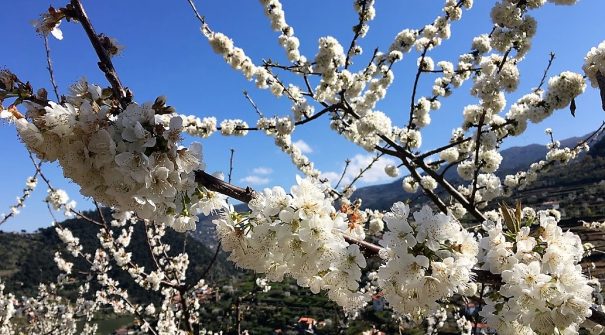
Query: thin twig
point(593, 136)
point(210, 265)
point(551, 58)
point(459, 71)
point(415, 87)
point(504, 59)
point(297, 123)
point(49, 67)
point(362, 171)
point(100, 212)
point(357, 28)
point(150, 248)
point(478, 164)
point(52, 189)
point(344, 171)
point(231, 164)
point(260, 114)
point(476, 316)
point(197, 14)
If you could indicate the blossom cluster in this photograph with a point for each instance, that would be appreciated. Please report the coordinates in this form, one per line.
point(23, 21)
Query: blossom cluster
point(130, 161)
point(290, 43)
point(496, 74)
point(300, 235)
point(436, 321)
point(544, 289)
point(281, 130)
point(596, 225)
point(59, 200)
point(428, 258)
point(594, 65)
point(555, 156)
point(363, 88)
point(46, 313)
point(464, 326)
point(537, 105)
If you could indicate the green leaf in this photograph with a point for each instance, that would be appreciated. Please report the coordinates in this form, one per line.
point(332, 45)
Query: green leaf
point(509, 221)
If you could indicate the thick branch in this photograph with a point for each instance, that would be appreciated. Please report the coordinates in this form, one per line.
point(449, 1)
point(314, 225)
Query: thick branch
point(214, 184)
point(105, 63)
point(429, 193)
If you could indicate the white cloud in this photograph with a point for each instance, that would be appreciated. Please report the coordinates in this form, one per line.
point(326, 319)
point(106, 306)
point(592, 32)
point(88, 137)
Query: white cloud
point(303, 146)
point(255, 180)
point(262, 170)
point(374, 175)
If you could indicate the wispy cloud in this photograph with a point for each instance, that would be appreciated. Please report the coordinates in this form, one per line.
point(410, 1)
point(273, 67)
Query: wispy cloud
point(303, 146)
point(255, 180)
point(259, 176)
point(374, 175)
point(262, 170)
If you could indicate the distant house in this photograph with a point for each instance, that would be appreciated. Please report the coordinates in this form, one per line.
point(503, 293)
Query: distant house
point(126, 331)
point(470, 309)
point(483, 328)
point(205, 295)
point(378, 302)
point(306, 325)
point(551, 204)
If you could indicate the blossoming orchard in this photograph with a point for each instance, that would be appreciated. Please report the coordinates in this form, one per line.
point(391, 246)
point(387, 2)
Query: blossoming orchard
point(521, 268)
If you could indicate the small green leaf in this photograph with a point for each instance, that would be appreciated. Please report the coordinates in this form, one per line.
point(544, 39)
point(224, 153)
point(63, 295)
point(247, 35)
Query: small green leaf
point(509, 221)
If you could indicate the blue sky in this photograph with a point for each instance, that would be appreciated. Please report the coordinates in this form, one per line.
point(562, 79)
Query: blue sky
point(165, 54)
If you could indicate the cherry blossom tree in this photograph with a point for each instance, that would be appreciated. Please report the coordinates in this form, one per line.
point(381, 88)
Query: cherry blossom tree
point(520, 266)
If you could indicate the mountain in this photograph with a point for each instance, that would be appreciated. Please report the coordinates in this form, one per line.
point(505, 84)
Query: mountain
point(513, 159)
point(205, 231)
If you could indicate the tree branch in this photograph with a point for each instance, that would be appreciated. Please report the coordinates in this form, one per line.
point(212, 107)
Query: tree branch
point(105, 63)
point(215, 184)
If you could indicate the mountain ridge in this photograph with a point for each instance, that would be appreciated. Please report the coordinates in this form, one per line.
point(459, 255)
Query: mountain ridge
point(514, 159)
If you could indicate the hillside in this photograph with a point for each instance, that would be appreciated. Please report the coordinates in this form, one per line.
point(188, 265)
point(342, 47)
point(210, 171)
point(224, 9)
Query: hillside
point(27, 259)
